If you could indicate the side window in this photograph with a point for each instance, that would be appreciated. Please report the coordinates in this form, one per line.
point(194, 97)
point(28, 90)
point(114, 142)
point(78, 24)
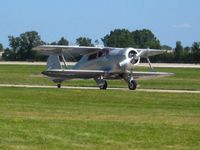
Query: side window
point(92, 56)
point(100, 54)
point(105, 52)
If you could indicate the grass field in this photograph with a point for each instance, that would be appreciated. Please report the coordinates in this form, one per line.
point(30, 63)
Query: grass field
point(93, 119)
point(183, 78)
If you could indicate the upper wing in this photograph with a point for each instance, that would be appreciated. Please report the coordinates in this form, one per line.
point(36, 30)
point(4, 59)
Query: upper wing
point(71, 52)
point(150, 52)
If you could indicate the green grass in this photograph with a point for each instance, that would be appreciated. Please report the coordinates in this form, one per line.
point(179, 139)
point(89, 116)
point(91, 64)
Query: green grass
point(184, 78)
point(23, 74)
point(93, 119)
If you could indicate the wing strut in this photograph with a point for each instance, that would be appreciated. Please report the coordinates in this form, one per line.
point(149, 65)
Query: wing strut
point(149, 62)
point(63, 58)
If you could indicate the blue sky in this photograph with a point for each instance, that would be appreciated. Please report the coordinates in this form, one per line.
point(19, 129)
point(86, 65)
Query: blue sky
point(170, 20)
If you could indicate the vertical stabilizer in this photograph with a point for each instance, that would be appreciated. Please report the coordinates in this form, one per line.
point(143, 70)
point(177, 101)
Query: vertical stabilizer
point(53, 62)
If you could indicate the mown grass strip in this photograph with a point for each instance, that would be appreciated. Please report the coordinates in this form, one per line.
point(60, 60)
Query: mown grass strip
point(93, 119)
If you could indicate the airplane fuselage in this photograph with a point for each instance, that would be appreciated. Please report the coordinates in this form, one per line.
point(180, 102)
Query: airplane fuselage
point(108, 60)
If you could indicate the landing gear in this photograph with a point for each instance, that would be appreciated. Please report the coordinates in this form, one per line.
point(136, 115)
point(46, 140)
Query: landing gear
point(132, 85)
point(101, 82)
point(104, 86)
point(59, 86)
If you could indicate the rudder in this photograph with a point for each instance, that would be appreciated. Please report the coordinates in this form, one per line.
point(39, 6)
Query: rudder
point(53, 62)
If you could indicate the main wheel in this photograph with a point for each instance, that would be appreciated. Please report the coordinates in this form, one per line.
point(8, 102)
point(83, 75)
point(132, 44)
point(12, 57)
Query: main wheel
point(59, 85)
point(104, 86)
point(132, 85)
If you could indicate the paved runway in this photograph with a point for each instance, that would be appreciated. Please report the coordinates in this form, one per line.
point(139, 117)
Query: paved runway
point(96, 88)
point(163, 65)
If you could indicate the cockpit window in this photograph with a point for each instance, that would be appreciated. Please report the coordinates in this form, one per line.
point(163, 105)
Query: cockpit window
point(99, 54)
point(92, 56)
point(105, 52)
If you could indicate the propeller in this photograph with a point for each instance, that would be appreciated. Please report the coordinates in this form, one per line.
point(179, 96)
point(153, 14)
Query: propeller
point(133, 58)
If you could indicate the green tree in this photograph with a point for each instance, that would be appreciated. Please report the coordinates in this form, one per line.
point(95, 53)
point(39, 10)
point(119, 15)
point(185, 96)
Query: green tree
point(119, 38)
point(84, 41)
point(22, 45)
point(1, 47)
point(187, 49)
point(9, 55)
point(54, 43)
point(145, 39)
point(63, 41)
point(186, 55)
point(178, 51)
point(196, 52)
point(138, 39)
point(166, 47)
point(166, 57)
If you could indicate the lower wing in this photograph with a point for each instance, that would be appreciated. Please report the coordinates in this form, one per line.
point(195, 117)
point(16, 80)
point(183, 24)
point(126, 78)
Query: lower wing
point(86, 74)
point(62, 73)
point(150, 74)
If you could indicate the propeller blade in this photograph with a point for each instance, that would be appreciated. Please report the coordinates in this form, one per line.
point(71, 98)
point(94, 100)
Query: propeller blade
point(125, 62)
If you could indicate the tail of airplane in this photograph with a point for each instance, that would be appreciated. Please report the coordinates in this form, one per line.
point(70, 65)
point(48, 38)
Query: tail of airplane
point(53, 62)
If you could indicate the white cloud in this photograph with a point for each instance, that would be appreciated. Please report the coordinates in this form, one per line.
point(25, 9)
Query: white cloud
point(183, 26)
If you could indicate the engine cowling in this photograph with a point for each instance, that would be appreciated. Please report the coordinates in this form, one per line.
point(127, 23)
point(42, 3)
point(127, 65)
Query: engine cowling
point(131, 58)
point(132, 54)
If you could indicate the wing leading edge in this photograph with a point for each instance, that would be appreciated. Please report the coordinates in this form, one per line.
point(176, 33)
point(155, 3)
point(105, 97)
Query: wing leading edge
point(151, 52)
point(151, 74)
point(98, 73)
point(73, 73)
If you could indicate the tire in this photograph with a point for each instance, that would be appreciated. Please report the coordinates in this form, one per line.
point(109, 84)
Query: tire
point(58, 86)
point(104, 86)
point(132, 85)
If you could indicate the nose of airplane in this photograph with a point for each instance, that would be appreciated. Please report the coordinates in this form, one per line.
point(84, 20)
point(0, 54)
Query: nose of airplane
point(131, 59)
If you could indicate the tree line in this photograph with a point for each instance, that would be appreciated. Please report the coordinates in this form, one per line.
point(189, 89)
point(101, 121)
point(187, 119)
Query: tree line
point(21, 47)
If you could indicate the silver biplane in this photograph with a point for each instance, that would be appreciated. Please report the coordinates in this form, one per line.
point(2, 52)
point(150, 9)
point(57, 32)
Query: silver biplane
point(98, 63)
